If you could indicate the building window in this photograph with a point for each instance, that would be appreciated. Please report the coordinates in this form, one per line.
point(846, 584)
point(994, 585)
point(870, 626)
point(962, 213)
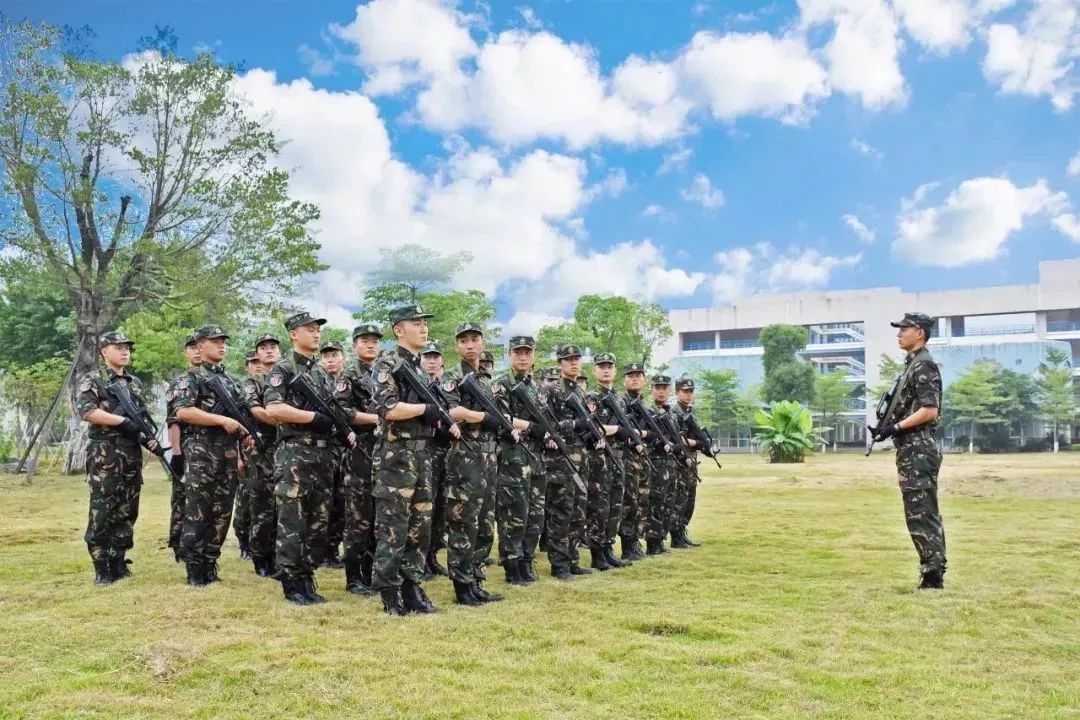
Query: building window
point(692, 345)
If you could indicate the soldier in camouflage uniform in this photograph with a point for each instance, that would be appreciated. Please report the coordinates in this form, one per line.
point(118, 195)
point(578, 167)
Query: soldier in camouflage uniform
point(212, 459)
point(260, 465)
point(517, 480)
point(636, 489)
point(355, 391)
point(487, 363)
point(303, 461)
point(686, 500)
point(176, 440)
point(431, 362)
point(661, 497)
point(332, 359)
point(403, 469)
point(113, 460)
point(470, 479)
point(241, 515)
point(913, 427)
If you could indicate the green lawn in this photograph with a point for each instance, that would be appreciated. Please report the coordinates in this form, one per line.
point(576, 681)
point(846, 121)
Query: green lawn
point(800, 604)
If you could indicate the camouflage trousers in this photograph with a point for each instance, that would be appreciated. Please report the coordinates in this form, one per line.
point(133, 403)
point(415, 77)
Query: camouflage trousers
point(359, 532)
point(512, 501)
point(402, 512)
point(241, 516)
point(302, 485)
point(659, 492)
point(604, 502)
point(688, 501)
point(342, 461)
point(438, 510)
point(537, 497)
point(176, 512)
point(470, 479)
point(917, 466)
point(677, 495)
point(262, 505)
point(562, 493)
point(579, 517)
point(114, 475)
point(210, 478)
point(633, 479)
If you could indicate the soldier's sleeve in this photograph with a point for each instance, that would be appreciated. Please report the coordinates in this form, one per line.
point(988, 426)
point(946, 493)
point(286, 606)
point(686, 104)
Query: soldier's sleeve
point(927, 382)
point(249, 393)
point(276, 384)
point(170, 408)
point(343, 391)
point(87, 398)
point(187, 392)
point(449, 385)
point(386, 390)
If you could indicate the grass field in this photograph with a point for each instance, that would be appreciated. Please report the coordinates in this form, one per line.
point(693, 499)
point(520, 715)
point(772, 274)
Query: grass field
point(800, 604)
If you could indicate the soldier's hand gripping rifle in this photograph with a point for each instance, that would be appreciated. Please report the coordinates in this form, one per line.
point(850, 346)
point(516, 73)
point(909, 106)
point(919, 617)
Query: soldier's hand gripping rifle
point(885, 407)
point(671, 432)
point(642, 413)
point(474, 389)
point(433, 396)
point(538, 416)
point(148, 430)
point(577, 406)
point(328, 407)
point(227, 405)
point(611, 402)
point(702, 437)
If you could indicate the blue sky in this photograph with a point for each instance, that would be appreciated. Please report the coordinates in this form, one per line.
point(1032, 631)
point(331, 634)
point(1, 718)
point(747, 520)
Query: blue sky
point(685, 152)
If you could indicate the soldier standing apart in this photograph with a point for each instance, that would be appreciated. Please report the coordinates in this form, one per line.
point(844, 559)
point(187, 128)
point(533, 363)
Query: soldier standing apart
point(260, 465)
point(303, 461)
point(431, 362)
point(211, 457)
point(516, 473)
point(661, 496)
point(176, 431)
point(636, 490)
point(913, 427)
point(470, 479)
point(687, 498)
point(355, 391)
point(332, 359)
point(113, 460)
point(403, 469)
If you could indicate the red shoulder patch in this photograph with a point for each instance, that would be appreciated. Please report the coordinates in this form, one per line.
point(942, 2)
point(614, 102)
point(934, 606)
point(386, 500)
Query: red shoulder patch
point(275, 380)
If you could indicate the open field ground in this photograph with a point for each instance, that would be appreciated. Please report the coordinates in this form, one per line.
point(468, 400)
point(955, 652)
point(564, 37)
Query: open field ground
point(800, 604)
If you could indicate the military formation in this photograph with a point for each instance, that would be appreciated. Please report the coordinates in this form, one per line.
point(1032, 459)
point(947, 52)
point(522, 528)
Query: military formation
point(378, 462)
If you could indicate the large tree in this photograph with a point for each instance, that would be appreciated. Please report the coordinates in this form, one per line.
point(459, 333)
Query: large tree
point(1057, 395)
point(786, 377)
point(146, 183)
point(972, 398)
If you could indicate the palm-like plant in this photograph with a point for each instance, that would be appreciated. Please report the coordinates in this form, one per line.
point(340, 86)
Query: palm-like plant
point(786, 432)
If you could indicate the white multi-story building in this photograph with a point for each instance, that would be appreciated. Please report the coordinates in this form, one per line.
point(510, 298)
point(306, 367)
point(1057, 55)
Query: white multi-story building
point(849, 329)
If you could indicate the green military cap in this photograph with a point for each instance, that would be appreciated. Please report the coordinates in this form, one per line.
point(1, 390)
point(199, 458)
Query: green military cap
point(522, 341)
point(300, 319)
point(331, 346)
point(915, 319)
point(661, 379)
point(487, 357)
point(432, 348)
point(115, 337)
point(604, 357)
point(368, 329)
point(190, 340)
point(565, 352)
point(251, 358)
point(685, 382)
point(633, 367)
point(592, 396)
point(408, 312)
point(265, 338)
point(210, 332)
point(468, 327)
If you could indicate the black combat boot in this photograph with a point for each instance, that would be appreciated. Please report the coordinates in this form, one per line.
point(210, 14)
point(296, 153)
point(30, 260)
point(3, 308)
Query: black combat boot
point(245, 551)
point(433, 566)
point(933, 580)
point(119, 566)
point(366, 561)
point(561, 573)
point(332, 559)
point(264, 567)
point(311, 591)
point(391, 601)
point(464, 596)
point(513, 572)
point(599, 559)
point(653, 546)
point(196, 574)
point(576, 569)
point(294, 591)
point(527, 571)
point(686, 539)
point(103, 574)
point(210, 571)
point(415, 599)
point(677, 541)
point(629, 547)
point(483, 595)
point(353, 581)
point(609, 555)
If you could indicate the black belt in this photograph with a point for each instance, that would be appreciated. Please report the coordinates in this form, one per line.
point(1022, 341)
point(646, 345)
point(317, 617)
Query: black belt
point(319, 442)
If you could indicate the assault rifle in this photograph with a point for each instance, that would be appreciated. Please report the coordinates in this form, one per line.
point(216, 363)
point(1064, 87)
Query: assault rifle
point(702, 437)
point(611, 402)
point(574, 402)
point(882, 413)
point(637, 406)
point(342, 423)
point(429, 395)
point(148, 430)
point(474, 389)
point(228, 406)
point(667, 423)
point(537, 415)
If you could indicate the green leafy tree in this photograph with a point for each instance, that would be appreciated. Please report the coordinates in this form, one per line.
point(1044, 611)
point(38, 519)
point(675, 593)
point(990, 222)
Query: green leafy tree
point(785, 432)
point(972, 398)
point(786, 378)
point(1019, 405)
point(889, 368)
point(1056, 392)
point(36, 322)
point(405, 273)
point(717, 400)
point(29, 390)
point(831, 393)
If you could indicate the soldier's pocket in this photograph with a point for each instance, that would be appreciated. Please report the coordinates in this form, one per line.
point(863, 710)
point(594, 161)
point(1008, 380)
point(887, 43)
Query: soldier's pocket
point(287, 489)
point(396, 470)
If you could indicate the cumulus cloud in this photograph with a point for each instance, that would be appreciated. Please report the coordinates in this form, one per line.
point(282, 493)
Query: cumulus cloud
point(1073, 169)
point(1069, 225)
point(748, 270)
point(974, 222)
point(675, 160)
point(857, 226)
point(702, 192)
point(317, 63)
point(940, 25)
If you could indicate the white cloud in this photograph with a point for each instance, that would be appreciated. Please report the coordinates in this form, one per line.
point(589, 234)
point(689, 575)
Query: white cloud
point(808, 269)
point(1073, 168)
point(702, 192)
point(941, 25)
point(864, 148)
point(734, 276)
point(675, 160)
point(1069, 225)
point(528, 323)
point(613, 185)
point(1039, 57)
point(973, 224)
point(748, 270)
point(864, 233)
point(317, 63)
point(653, 210)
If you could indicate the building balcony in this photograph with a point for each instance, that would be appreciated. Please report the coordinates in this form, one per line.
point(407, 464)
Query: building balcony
point(1062, 326)
point(998, 330)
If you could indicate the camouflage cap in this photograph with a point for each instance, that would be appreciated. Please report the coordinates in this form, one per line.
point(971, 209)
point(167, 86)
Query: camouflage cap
point(566, 352)
point(633, 367)
point(300, 319)
point(210, 332)
point(408, 312)
point(115, 337)
point(549, 373)
point(432, 348)
point(592, 396)
point(685, 382)
point(266, 338)
point(368, 329)
point(522, 341)
point(661, 379)
point(190, 340)
point(487, 357)
point(582, 378)
point(468, 327)
point(251, 358)
point(915, 319)
point(604, 358)
point(332, 346)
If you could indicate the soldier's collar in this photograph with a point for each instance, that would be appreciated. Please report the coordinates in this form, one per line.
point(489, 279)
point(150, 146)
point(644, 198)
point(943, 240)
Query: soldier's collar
point(303, 360)
point(214, 368)
point(113, 374)
point(522, 377)
point(408, 354)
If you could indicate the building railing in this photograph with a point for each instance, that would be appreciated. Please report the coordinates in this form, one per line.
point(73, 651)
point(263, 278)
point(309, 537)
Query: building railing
point(1062, 326)
point(697, 345)
point(735, 344)
point(997, 330)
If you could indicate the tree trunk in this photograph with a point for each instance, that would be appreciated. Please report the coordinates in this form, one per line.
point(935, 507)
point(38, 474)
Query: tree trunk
point(971, 443)
point(1055, 436)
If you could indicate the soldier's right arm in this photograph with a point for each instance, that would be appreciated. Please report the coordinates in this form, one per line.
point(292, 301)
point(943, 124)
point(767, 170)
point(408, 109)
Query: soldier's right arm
point(249, 393)
point(388, 404)
point(88, 405)
point(187, 409)
point(347, 392)
point(274, 397)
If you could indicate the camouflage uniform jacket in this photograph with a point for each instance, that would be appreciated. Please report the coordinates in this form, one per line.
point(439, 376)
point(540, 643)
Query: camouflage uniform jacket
point(92, 396)
point(388, 394)
point(355, 392)
point(620, 441)
point(920, 387)
point(277, 390)
point(555, 394)
point(252, 391)
point(501, 388)
point(484, 431)
point(196, 393)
